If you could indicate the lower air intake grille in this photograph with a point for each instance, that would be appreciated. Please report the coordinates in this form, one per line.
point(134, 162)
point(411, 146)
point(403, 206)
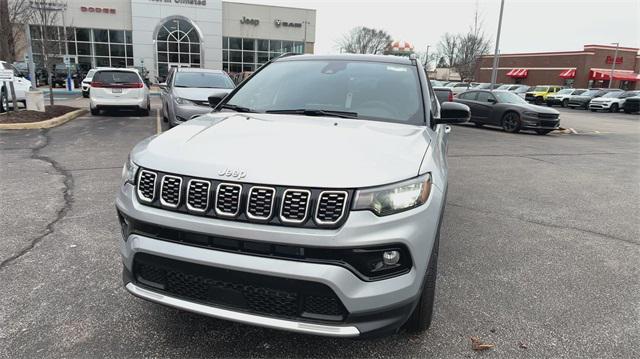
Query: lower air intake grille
point(330, 207)
point(295, 205)
point(228, 199)
point(198, 195)
point(170, 191)
point(244, 291)
point(147, 186)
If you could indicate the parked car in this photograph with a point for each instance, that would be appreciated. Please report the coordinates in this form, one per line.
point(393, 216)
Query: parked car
point(86, 83)
point(186, 93)
point(612, 101)
point(460, 87)
point(244, 205)
point(521, 90)
point(486, 86)
point(631, 105)
point(443, 94)
point(118, 89)
point(562, 97)
point(20, 85)
point(509, 111)
point(539, 93)
point(582, 100)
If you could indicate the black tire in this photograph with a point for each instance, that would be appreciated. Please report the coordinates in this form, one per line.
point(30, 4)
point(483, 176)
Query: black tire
point(539, 101)
point(95, 112)
point(24, 103)
point(549, 104)
point(511, 122)
point(565, 102)
point(4, 104)
point(543, 132)
point(614, 108)
point(420, 319)
point(85, 94)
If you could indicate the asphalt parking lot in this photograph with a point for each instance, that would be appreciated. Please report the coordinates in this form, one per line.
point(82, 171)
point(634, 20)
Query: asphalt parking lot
point(540, 251)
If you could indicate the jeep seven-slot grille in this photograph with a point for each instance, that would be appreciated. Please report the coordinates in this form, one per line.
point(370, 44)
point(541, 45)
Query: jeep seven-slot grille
point(198, 195)
point(147, 186)
point(243, 291)
point(260, 203)
point(170, 190)
point(228, 199)
point(331, 207)
point(246, 202)
point(295, 205)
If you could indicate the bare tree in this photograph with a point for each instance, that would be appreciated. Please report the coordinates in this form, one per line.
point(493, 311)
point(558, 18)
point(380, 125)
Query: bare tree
point(447, 48)
point(5, 28)
point(47, 15)
point(19, 14)
point(470, 47)
point(364, 40)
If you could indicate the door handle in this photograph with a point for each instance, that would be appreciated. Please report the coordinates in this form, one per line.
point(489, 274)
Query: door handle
point(447, 129)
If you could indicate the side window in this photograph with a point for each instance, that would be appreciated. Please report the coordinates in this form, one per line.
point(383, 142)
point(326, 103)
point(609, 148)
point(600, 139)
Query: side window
point(469, 95)
point(484, 97)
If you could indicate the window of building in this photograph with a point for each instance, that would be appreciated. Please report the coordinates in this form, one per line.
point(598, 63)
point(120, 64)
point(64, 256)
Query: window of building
point(246, 54)
point(177, 45)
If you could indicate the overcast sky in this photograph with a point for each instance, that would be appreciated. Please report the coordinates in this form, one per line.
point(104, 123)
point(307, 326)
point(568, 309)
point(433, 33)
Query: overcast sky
point(528, 25)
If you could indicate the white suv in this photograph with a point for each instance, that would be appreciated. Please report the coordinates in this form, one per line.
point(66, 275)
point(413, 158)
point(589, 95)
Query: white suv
point(20, 85)
point(119, 88)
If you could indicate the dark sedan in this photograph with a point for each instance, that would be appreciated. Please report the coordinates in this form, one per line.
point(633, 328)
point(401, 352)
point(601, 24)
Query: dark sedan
point(509, 111)
point(582, 100)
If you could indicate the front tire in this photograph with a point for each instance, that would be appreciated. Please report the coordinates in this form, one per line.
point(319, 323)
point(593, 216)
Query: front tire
point(95, 111)
point(4, 103)
point(420, 319)
point(539, 101)
point(565, 102)
point(614, 108)
point(511, 122)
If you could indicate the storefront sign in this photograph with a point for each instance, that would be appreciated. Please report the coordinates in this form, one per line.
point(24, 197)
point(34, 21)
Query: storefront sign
point(287, 24)
point(184, 2)
point(253, 22)
point(99, 10)
point(610, 60)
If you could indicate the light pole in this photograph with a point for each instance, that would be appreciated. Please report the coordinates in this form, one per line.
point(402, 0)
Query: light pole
point(426, 59)
point(494, 71)
point(613, 64)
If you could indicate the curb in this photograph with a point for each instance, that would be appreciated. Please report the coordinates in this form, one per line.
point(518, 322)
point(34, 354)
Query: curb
point(56, 121)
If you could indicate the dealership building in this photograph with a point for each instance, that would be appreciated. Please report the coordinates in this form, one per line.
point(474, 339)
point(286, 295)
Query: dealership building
point(161, 34)
point(590, 67)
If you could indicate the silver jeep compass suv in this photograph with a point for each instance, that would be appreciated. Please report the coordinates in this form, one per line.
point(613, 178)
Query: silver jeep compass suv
point(309, 200)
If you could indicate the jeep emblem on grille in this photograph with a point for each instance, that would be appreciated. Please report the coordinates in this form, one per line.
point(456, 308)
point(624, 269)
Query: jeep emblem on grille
point(232, 173)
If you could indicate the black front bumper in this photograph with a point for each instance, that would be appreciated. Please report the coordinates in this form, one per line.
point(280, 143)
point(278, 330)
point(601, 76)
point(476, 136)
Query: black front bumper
point(300, 301)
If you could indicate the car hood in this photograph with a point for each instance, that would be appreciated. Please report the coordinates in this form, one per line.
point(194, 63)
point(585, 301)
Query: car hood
point(288, 150)
point(198, 94)
point(601, 99)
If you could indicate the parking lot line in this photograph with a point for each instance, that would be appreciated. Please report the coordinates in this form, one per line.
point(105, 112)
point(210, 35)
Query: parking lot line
point(158, 124)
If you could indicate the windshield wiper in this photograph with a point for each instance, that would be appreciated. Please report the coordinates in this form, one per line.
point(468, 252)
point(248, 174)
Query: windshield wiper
point(312, 112)
point(237, 108)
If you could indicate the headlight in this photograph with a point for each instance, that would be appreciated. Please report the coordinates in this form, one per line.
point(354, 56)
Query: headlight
point(184, 101)
point(531, 114)
point(129, 171)
point(394, 198)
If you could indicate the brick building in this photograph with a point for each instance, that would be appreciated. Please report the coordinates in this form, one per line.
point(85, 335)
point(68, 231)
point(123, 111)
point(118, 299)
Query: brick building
point(590, 67)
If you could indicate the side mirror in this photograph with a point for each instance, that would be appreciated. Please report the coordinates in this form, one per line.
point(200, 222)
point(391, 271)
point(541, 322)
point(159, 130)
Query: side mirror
point(162, 86)
point(215, 99)
point(453, 112)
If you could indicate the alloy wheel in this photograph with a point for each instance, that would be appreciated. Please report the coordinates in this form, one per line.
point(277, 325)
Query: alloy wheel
point(511, 122)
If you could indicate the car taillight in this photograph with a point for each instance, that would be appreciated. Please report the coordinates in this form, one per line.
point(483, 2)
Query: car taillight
point(97, 84)
point(133, 85)
point(450, 99)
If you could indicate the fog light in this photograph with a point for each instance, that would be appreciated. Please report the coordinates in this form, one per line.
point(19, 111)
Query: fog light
point(391, 257)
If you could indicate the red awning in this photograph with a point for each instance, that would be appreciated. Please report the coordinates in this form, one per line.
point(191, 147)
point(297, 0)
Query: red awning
point(518, 73)
point(623, 75)
point(568, 74)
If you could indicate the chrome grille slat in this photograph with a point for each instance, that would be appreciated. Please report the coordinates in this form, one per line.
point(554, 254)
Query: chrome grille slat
point(260, 202)
point(170, 191)
point(228, 199)
point(146, 185)
point(198, 193)
point(331, 207)
point(295, 205)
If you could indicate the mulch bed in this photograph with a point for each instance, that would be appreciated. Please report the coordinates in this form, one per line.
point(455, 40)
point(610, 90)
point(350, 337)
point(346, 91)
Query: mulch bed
point(23, 116)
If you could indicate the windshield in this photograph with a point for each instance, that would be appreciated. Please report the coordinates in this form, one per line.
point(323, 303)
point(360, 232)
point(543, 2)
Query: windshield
point(614, 94)
point(541, 89)
point(202, 80)
point(369, 90)
point(630, 94)
point(590, 93)
point(116, 77)
point(504, 87)
point(565, 92)
point(508, 97)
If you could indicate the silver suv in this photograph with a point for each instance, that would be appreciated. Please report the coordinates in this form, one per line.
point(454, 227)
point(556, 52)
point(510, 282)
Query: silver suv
point(309, 200)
